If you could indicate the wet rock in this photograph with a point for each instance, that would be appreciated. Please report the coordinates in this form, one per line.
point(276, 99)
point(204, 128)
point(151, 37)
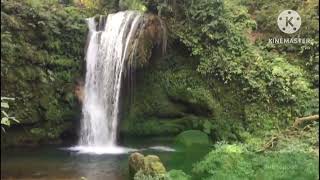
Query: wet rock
point(136, 162)
point(152, 34)
point(150, 165)
point(153, 165)
point(79, 90)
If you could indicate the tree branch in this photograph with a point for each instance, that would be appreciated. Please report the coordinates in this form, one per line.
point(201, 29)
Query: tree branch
point(299, 121)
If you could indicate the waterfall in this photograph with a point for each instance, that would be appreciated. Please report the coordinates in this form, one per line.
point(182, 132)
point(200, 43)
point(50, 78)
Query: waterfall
point(114, 43)
point(108, 48)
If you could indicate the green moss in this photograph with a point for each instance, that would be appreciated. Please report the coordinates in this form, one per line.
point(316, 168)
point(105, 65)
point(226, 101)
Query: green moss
point(260, 120)
point(153, 127)
point(186, 86)
point(178, 175)
point(192, 138)
point(170, 97)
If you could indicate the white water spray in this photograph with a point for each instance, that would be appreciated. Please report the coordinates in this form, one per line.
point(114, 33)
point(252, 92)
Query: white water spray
point(107, 53)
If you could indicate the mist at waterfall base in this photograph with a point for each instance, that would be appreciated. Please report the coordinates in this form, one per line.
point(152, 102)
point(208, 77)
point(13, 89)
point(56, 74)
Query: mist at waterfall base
point(109, 46)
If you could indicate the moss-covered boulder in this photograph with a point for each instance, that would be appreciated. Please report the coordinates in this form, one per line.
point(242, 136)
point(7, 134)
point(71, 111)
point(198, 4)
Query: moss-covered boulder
point(192, 138)
point(153, 165)
point(136, 162)
point(150, 165)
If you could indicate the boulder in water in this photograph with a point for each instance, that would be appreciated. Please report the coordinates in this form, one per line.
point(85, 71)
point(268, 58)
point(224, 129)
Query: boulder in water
point(153, 165)
point(136, 162)
point(150, 165)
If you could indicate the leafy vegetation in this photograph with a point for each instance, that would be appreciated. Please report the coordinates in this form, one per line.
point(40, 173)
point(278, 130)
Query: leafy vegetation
point(6, 120)
point(228, 86)
point(306, 55)
point(235, 86)
point(226, 54)
point(219, 76)
point(42, 47)
point(236, 162)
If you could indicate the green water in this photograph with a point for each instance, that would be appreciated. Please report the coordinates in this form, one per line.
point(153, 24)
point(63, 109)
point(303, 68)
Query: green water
point(55, 162)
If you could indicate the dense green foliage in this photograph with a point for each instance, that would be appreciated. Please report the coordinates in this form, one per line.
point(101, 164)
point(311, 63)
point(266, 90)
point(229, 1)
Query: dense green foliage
point(231, 84)
point(236, 162)
point(306, 55)
point(235, 86)
point(220, 76)
point(215, 31)
point(41, 53)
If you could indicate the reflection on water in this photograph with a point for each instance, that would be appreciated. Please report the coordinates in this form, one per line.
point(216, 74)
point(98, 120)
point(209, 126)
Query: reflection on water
point(51, 163)
point(107, 167)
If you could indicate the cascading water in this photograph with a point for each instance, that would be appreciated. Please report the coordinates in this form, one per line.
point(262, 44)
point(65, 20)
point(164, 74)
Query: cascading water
point(111, 47)
point(107, 53)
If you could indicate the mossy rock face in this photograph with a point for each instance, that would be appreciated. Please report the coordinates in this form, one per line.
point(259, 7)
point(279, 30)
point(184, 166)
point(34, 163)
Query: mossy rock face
point(170, 97)
point(152, 37)
point(192, 138)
